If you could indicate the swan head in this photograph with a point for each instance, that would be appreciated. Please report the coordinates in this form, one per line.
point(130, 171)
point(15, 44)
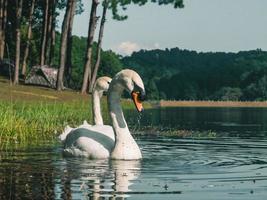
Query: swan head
point(102, 84)
point(130, 81)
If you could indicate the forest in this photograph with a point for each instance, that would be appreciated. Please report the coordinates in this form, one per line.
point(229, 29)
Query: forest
point(28, 37)
point(177, 74)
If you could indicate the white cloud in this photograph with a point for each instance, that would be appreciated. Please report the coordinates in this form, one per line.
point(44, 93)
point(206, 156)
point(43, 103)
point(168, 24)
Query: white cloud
point(127, 48)
point(156, 45)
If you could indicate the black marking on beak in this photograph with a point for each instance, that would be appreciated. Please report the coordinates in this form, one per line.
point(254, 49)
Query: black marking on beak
point(142, 96)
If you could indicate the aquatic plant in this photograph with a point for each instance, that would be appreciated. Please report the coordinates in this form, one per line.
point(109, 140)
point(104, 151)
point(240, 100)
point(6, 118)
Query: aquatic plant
point(177, 133)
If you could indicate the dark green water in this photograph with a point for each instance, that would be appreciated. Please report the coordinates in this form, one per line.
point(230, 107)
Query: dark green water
point(240, 122)
point(231, 166)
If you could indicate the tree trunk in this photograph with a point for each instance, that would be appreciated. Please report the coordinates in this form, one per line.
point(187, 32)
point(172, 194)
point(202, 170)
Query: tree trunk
point(63, 46)
point(44, 35)
point(49, 30)
point(99, 44)
point(3, 19)
point(29, 36)
point(17, 59)
point(53, 43)
point(4, 29)
point(69, 46)
point(52, 33)
point(90, 40)
point(1, 24)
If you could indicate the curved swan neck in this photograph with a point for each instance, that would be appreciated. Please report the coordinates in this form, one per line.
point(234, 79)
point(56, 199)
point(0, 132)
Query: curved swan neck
point(98, 120)
point(116, 113)
point(125, 146)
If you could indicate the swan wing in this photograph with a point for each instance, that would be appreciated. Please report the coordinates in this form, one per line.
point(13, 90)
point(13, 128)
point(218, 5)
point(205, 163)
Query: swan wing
point(62, 137)
point(94, 142)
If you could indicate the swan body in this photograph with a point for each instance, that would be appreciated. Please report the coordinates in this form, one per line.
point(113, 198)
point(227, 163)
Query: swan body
point(101, 86)
point(102, 141)
point(93, 142)
point(76, 141)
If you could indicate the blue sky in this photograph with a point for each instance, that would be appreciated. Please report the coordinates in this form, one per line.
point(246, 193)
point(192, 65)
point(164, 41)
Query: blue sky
point(203, 25)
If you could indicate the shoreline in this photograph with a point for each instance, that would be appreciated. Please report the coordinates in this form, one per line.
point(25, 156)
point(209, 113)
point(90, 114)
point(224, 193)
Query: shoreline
point(238, 104)
point(34, 94)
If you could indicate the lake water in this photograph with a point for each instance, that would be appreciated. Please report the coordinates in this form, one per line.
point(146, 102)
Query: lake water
point(232, 165)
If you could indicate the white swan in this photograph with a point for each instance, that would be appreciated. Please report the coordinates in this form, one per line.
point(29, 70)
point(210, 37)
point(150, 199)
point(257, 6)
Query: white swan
point(101, 86)
point(98, 141)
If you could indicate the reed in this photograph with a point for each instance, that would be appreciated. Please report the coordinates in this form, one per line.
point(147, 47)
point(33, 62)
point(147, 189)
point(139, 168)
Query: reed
point(24, 122)
point(30, 114)
point(27, 122)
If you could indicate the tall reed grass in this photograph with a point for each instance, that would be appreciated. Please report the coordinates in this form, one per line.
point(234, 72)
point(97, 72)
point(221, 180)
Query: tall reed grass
point(29, 114)
point(22, 122)
point(25, 122)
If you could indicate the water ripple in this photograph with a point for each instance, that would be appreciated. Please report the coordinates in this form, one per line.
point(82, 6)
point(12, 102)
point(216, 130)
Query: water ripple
point(189, 168)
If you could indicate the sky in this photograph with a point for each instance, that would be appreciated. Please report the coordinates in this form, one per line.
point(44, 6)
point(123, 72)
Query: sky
point(202, 25)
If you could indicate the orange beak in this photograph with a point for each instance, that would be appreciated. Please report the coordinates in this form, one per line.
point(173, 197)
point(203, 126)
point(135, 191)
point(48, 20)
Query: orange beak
point(137, 102)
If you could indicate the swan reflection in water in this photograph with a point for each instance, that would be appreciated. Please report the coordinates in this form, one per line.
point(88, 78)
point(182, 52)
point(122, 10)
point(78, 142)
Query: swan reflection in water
point(98, 179)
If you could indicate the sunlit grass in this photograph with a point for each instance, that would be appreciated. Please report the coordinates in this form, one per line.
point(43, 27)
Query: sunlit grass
point(23, 122)
point(30, 122)
point(30, 114)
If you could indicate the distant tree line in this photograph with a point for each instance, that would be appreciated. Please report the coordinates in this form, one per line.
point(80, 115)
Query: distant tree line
point(188, 75)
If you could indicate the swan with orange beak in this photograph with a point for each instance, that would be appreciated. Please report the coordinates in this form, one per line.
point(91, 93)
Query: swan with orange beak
point(95, 142)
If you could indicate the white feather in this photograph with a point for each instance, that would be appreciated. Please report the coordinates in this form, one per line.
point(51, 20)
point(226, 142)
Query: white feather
point(98, 141)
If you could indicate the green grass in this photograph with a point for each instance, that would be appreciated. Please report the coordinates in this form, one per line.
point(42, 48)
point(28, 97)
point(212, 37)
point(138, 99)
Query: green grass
point(30, 122)
point(23, 122)
point(29, 115)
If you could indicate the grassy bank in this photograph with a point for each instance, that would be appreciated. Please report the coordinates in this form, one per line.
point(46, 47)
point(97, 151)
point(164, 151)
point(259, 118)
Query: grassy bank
point(30, 114)
point(24, 122)
point(21, 121)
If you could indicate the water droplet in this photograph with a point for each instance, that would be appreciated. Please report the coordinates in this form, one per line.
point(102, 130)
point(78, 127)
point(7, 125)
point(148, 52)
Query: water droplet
point(138, 124)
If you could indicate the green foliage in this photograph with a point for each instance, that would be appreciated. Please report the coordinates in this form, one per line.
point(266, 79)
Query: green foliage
point(228, 94)
point(189, 75)
point(254, 84)
point(37, 27)
point(152, 90)
point(110, 62)
point(115, 6)
point(167, 74)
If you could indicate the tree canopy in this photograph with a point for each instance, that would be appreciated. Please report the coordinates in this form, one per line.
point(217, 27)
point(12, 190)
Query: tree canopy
point(189, 75)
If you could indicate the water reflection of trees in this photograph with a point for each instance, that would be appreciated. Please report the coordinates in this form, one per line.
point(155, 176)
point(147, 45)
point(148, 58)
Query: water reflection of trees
point(22, 178)
point(225, 121)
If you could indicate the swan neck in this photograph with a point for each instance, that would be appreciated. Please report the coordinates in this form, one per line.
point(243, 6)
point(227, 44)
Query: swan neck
point(118, 121)
point(125, 146)
point(98, 120)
